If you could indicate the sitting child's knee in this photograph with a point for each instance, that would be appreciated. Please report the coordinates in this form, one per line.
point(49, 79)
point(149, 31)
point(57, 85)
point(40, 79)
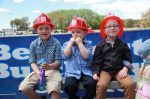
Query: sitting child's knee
point(101, 85)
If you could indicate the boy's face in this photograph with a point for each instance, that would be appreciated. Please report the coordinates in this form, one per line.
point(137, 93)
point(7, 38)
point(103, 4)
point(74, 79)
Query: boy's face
point(112, 28)
point(77, 32)
point(44, 31)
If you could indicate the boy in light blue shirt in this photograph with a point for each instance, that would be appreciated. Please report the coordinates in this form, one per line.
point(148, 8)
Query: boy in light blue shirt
point(78, 54)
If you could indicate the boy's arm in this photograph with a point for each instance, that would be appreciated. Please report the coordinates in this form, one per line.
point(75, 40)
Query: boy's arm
point(67, 50)
point(127, 59)
point(97, 60)
point(32, 60)
point(83, 50)
point(35, 68)
point(54, 65)
point(127, 62)
point(58, 57)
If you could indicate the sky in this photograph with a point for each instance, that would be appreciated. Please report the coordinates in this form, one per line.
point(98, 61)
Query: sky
point(11, 9)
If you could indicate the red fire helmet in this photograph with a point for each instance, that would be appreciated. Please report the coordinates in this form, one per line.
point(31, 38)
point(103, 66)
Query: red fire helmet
point(110, 17)
point(77, 22)
point(43, 19)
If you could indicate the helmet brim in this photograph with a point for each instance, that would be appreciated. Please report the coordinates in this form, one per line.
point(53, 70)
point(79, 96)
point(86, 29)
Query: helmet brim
point(70, 27)
point(89, 31)
point(44, 23)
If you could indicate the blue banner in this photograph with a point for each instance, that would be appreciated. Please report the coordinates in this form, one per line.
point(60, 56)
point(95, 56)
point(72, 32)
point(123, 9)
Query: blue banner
point(14, 55)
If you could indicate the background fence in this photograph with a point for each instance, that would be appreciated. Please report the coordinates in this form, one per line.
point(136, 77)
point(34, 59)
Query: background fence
point(14, 54)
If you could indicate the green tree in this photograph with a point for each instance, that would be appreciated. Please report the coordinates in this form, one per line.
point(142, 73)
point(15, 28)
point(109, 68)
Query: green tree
point(12, 24)
point(145, 21)
point(130, 23)
point(20, 24)
point(15, 23)
point(24, 23)
point(62, 18)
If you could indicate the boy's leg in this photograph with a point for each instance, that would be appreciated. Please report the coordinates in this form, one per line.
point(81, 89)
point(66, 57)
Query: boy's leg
point(128, 86)
point(90, 87)
point(55, 95)
point(71, 87)
point(53, 83)
point(102, 85)
point(31, 94)
point(28, 85)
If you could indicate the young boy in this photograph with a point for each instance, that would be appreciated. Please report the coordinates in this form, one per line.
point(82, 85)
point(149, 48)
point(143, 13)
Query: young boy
point(48, 48)
point(78, 54)
point(112, 59)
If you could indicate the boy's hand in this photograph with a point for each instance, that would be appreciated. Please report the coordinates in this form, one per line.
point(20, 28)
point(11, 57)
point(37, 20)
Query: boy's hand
point(72, 40)
point(95, 77)
point(38, 74)
point(78, 40)
point(48, 66)
point(123, 73)
point(45, 66)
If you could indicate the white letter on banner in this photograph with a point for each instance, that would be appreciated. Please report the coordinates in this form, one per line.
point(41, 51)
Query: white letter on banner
point(4, 54)
point(136, 45)
point(3, 71)
point(21, 53)
point(16, 71)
